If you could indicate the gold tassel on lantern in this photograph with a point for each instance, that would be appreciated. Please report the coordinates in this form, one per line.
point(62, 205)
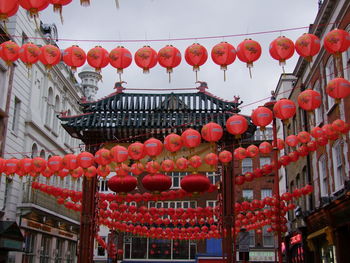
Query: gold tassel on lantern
point(85, 2)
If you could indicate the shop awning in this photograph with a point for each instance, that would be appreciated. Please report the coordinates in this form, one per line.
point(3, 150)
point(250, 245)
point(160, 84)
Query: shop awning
point(11, 237)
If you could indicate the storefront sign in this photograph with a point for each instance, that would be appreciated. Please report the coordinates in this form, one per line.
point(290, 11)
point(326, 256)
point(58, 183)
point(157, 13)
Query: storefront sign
point(261, 256)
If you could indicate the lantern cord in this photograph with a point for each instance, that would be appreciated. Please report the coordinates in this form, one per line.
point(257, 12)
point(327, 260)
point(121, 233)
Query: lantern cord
point(224, 75)
point(117, 4)
point(169, 77)
point(250, 72)
point(120, 77)
point(196, 76)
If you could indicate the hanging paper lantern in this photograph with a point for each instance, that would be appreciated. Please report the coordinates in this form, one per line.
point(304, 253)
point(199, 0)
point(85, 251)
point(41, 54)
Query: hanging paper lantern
point(7, 9)
point(328, 130)
point(211, 159)
point(136, 151)
point(9, 52)
point(103, 170)
point(119, 154)
point(322, 141)
point(239, 180)
point(303, 150)
point(50, 56)
point(25, 165)
point(249, 51)
point(284, 109)
point(63, 173)
point(74, 57)
point(182, 163)
point(123, 184)
point(292, 140)
point(237, 125)
point(146, 58)
point(317, 132)
point(85, 159)
point(309, 100)
point(122, 170)
point(120, 58)
point(339, 125)
point(98, 58)
point(240, 153)
point(156, 182)
point(195, 183)
point(225, 156)
point(312, 146)
point(252, 151)
point(294, 156)
point(58, 4)
point(173, 142)
point(29, 54)
point(90, 172)
point(38, 164)
point(265, 147)
point(34, 6)
point(153, 147)
point(77, 173)
point(55, 163)
point(223, 54)
point(152, 167)
point(11, 166)
point(196, 55)
point(262, 117)
point(103, 157)
point(281, 49)
point(195, 161)
point(285, 160)
point(47, 173)
point(69, 162)
point(338, 88)
point(191, 138)
point(212, 132)
point(169, 57)
point(304, 137)
point(307, 46)
point(336, 41)
point(137, 168)
point(167, 165)
point(280, 144)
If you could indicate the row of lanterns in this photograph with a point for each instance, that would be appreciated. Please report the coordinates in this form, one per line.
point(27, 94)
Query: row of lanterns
point(169, 57)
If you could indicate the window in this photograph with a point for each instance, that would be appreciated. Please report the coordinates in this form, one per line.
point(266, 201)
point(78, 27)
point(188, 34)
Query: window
point(16, 115)
point(71, 252)
point(268, 240)
point(34, 150)
point(100, 250)
point(252, 238)
point(319, 110)
point(45, 249)
point(57, 110)
point(264, 160)
point(322, 171)
point(247, 194)
point(247, 165)
point(173, 204)
point(330, 75)
point(49, 107)
point(59, 251)
point(213, 177)
point(29, 252)
point(176, 177)
point(266, 193)
point(160, 249)
point(103, 185)
point(346, 60)
point(24, 38)
point(338, 165)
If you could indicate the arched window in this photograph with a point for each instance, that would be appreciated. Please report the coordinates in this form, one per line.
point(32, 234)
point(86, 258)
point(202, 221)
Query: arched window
point(338, 165)
point(67, 136)
point(56, 111)
point(330, 74)
point(322, 171)
point(42, 154)
point(346, 60)
point(49, 107)
point(319, 110)
point(34, 150)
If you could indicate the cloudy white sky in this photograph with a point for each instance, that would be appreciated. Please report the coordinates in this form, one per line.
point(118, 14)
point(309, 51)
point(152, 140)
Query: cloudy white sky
point(159, 19)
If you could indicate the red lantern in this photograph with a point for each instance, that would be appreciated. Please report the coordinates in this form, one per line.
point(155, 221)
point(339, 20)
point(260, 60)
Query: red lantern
point(281, 49)
point(196, 55)
point(307, 46)
point(294, 156)
point(7, 9)
point(262, 117)
point(240, 153)
point(137, 168)
point(249, 51)
point(284, 109)
point(316, 132)
point(69, 162)
point(122, 170)
point(136, 151)
point(191, 138)
point(63, 173)
point(195, 161)
point(146, 58)
point(303, 150)
point(58, 4)
point(29, 54)
point(98, 58)
point(25, 165)
point(152, 167)
point(339, 125)
point(169, 57)
point(55, 163)
point(265, 147)
point(195, 183)
point(225, 156)
point(119, 154)
point(39, 164)
point(285, 160)
point(153, 147)
point(280, 144)
point(312, 146)
point(309, 100)
point(237, 125)
point(173, 142)
point(50, 56)
point(103, 157)
point(77, 173)
point(120, 58)
point(322, 141)
point(85, 159)
point(90, 172)
point(123, 184)
point(168, 165)
point(103, 170)
point(182, 163)
point(337, 41)
point(292, 140)
point(304, 137)
point(9, 51)
point(11, 166)
point(34, 6)
point(211, 159)
point(212, 132)
point(156, 182)
point(338, 88)
point(74, 57)
point(252, 151)
point(223, 54)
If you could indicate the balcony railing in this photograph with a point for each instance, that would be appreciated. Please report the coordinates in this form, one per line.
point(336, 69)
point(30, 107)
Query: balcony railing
point(31, 196)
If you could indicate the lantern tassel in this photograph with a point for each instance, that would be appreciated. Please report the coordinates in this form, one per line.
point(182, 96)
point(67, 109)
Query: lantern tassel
point(85, 2)
point(250, 72)
point(120, 77)
point(196, 75)
point(169, 76)
point(224, 75)
point(117, 4)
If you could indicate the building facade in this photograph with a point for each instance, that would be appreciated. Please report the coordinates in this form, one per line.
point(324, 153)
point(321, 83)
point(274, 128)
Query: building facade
point(319, 227)
point(33, 97)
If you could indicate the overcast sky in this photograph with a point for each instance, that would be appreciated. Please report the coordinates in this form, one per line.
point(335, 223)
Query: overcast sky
point(156, 19)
